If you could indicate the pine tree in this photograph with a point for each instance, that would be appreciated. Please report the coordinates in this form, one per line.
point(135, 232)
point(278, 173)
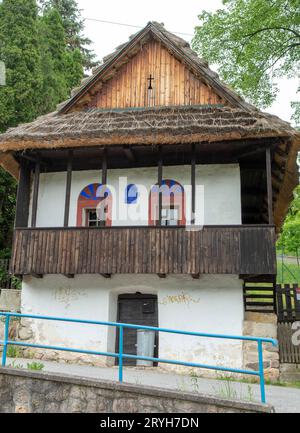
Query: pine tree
point(62, 69)
point(19, 50)
point(20, 98)
point(74, 26)
point(41, 69)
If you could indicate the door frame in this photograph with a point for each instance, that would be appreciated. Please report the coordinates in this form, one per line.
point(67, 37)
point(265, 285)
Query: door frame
point(136, 296)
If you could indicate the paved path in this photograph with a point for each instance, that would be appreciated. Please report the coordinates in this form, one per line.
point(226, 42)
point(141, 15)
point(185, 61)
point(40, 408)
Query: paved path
point(282, 398)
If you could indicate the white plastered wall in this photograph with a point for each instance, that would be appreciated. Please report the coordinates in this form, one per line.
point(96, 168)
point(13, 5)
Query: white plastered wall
point(218, 199)
point(212, 304)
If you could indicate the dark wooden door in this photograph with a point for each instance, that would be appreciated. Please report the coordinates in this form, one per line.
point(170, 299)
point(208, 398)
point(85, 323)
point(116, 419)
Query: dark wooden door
point(136, 309)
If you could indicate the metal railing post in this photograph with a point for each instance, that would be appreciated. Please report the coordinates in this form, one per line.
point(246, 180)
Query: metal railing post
point(6, 330)
point(261, 371)
point(121, 354)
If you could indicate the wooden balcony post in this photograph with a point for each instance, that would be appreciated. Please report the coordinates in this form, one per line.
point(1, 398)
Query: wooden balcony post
point(159, 181)
point(37, 171)
point(193, 183)
point(104, 167)
point(23, 195)
point(68, 188)
point(269, 185)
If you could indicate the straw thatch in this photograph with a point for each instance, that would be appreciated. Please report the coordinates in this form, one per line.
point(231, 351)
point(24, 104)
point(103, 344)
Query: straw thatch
point(159, 125)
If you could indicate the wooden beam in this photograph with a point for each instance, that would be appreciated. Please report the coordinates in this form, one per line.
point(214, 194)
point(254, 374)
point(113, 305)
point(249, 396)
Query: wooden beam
point(129, 153)
point(35, 193)
point(252, 166)
point(68, 189)
point(39, 276)
point(193, 182)
point(249, 152)
point(159, 181)
point(23, 195)
point(253, 191)
point(33, 159)
point(269, 185)
point(104, 167)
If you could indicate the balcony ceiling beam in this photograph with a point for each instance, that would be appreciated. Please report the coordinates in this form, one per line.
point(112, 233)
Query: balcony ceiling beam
point(129, 153)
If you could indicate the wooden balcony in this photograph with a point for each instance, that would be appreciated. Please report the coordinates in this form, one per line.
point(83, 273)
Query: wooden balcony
point(244, 250)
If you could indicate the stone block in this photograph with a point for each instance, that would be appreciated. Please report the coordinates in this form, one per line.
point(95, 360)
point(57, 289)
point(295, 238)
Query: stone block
point(272, 374)
point(10, 300)
point(255, 365)
point(289, 368)
point(260, 317)
point(275, 363)
point(267, 330)
point(25, 333)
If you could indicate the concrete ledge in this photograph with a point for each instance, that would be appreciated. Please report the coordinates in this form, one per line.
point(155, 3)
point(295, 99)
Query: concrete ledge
point(25, 391)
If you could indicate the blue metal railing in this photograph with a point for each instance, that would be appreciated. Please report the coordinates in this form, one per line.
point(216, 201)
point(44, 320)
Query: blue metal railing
point(121, 355)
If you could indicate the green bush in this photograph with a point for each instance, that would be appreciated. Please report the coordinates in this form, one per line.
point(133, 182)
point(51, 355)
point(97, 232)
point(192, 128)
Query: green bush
point(13, 352)
point(35, 366)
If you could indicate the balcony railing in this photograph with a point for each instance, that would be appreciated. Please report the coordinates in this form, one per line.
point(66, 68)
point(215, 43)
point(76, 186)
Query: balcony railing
point(243, 250)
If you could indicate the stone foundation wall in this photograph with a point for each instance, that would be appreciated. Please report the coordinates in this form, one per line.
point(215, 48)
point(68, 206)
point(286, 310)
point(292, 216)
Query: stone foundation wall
point(261, 325)
point(32, 392)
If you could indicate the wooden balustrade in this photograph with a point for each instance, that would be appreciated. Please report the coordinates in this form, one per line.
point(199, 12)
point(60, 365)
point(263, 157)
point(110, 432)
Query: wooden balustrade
point(243, 250)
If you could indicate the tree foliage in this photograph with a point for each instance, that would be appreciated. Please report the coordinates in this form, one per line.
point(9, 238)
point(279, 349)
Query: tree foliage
point(253, 42)
point(289, 241)
point(20, 98)
point(74, 26)
point(41, 70)
point(62, 68)
point(8, 188)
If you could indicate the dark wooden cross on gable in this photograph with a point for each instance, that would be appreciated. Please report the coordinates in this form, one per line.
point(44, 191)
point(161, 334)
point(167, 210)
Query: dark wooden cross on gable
point(150, 79)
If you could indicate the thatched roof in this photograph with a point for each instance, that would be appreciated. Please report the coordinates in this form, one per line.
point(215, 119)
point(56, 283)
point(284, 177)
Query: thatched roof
point(158, 125)
point(68, 127)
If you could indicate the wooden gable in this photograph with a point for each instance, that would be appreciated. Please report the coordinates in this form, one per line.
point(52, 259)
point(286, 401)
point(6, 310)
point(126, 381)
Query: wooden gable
point(173, 84)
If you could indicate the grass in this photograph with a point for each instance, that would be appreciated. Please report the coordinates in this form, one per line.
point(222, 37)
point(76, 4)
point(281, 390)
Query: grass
point(295, 384)
point(288, 273)
point(13, 352)
point(35, 366)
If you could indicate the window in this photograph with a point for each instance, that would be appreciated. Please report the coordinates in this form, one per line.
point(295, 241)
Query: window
point(94, 206)
point(170, 216)
point(172, 202)
point(92, 219)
